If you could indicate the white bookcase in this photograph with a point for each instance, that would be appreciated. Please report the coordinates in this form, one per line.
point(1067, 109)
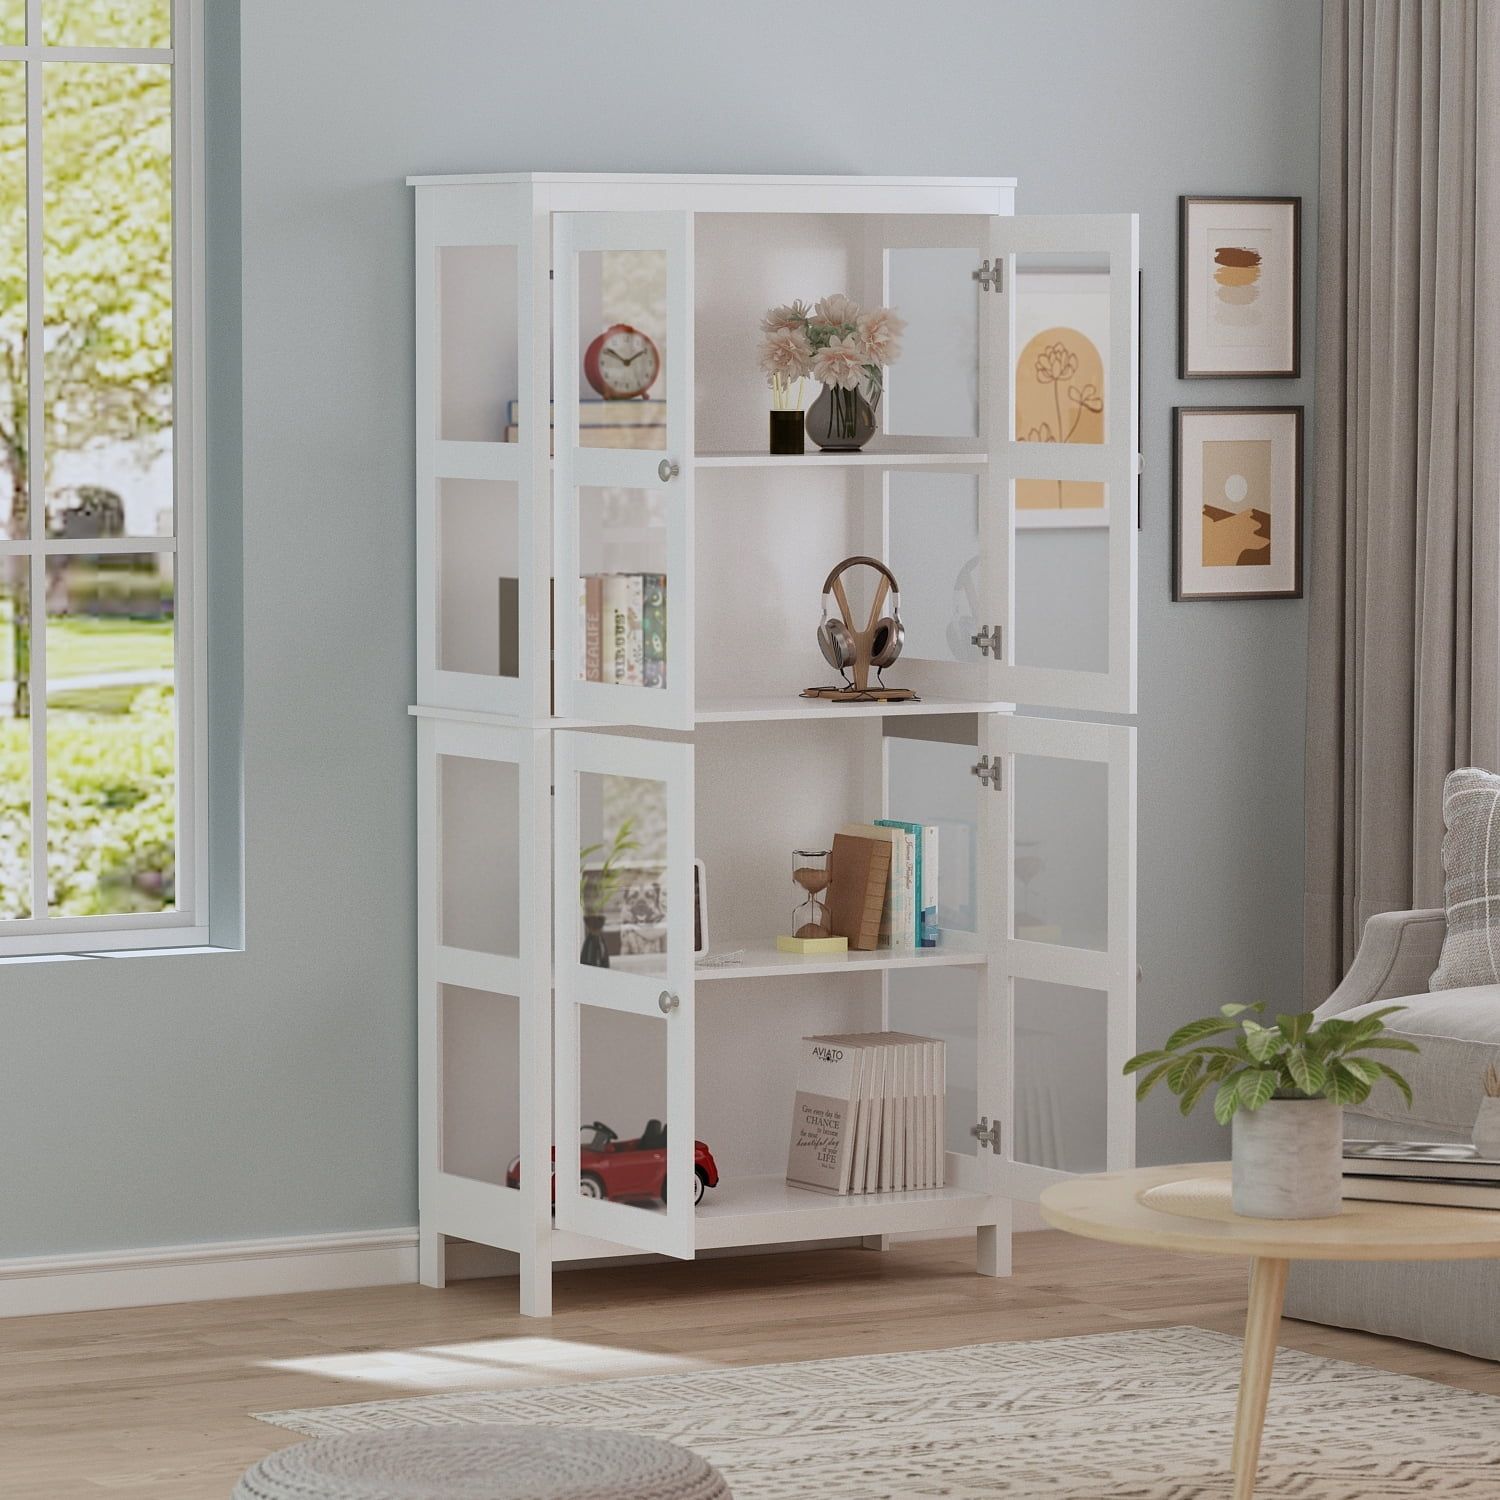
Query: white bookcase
point(522, 763)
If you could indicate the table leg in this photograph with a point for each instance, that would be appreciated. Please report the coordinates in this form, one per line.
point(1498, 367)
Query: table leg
point(1262, 1323)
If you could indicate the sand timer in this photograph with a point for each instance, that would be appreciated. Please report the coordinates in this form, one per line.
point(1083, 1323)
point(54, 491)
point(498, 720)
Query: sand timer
point(810, 876)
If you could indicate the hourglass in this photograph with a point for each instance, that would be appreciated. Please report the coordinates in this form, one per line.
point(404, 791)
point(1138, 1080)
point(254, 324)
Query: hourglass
point(810, 876)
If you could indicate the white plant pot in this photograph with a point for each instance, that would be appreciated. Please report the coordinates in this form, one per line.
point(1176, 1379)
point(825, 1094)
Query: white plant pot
point(1487, 1128)
point(1288, 1160)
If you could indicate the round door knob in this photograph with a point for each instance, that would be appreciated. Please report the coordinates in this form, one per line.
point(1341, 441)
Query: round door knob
point(666, 470)
point(668, 1002)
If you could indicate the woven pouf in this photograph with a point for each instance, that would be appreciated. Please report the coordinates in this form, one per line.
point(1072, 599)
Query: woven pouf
point(483, 1463)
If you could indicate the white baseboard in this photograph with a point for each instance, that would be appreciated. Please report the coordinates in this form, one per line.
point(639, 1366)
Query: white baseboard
point(198, 1273)
point(263, 1268)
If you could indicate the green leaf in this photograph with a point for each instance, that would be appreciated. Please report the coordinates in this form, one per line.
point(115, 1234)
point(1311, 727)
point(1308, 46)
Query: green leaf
point(1345, 1087)
point(1234, 1010)
point(1397, 1079)
point(1262, 1042)
point(1142, 1059)
point(1146, 1084)
point(1307, 1072)
point(1369, 1071)
point(1294, 1028)
point(1182, 1072)
point(1195, 1092)
point(1196, 1031)
point(1227, 1100)
point(1256, 1086)
point(1390, 1044)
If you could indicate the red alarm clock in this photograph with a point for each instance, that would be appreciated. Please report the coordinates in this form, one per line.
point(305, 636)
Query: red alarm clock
point(622, 362)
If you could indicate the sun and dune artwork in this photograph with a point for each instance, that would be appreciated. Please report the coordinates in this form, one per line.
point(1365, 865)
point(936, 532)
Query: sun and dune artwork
point(1238, 502)
point(1239, 286)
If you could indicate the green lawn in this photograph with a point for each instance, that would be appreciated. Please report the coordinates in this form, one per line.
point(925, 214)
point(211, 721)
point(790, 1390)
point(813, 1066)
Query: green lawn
point(82, 646)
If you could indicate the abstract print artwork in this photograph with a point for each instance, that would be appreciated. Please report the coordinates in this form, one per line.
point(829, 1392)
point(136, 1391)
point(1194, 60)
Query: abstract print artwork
point(1237, 503)
point(1239, 287)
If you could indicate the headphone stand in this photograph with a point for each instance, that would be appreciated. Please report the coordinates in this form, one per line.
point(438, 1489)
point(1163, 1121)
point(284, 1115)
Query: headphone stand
point(863, 640)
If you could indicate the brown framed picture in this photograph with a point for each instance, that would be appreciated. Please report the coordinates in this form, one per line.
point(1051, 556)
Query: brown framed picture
point(1239, 288)
point(1237, 502)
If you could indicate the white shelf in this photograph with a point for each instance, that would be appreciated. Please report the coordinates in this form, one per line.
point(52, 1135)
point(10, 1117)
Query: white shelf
point(757, 710)
point(867, 458)
point(769, 1210)
point(759, 960)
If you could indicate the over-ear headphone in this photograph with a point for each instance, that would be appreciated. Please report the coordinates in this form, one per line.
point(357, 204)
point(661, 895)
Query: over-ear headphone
point(884, 633)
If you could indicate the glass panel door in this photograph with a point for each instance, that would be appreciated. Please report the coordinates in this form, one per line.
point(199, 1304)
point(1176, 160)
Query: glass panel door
point(1062, 413)
point(625, 1118)
point(1060, 857)
point(480, 554)
point(622, 363)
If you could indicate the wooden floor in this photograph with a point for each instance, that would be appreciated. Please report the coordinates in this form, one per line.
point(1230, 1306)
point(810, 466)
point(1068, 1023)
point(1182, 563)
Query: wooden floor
point(155, 1401)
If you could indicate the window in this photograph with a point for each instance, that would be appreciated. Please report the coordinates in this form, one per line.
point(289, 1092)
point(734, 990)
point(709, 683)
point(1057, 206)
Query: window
point(101, 649)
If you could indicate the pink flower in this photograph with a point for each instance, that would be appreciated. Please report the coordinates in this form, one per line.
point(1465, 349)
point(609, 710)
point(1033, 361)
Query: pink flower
point(841, 362)
point(880, 333)
point(838, 311)
point(784, 353)
point(789, 315)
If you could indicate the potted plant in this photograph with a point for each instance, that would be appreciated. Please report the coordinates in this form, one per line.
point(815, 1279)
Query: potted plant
point(597, 885)
point(1284, 1088)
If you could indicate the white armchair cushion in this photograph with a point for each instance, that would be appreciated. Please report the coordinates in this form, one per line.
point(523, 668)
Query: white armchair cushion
point(1471, 887)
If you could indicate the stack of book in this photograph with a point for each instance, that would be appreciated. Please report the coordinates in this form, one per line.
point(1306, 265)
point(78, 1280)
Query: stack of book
point(1420, 1172)
point(624, 628)
point(908, 916)
point(870, 1114)
point(607, 423)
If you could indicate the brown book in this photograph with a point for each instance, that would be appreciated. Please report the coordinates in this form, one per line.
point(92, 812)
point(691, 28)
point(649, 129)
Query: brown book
point(858, 873)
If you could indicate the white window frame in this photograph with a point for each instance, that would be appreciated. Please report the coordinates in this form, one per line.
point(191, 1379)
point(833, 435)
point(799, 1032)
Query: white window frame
point(187, 924)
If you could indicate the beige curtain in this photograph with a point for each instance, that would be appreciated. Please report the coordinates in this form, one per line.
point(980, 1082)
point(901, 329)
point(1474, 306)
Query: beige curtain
point(1404, 515)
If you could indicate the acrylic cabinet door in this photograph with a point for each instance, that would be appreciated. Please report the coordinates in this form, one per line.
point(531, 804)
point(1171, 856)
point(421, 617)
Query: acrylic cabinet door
point(1060, 857)
point(1060, 305)
point(482, 545)
point(624, 469)
point(484, 988)
point(624, 1003)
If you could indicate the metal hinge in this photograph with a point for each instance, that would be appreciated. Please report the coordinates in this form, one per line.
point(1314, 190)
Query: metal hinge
point(988, 640)
point(987, 1134)
point(991, 773)
point(990, 280)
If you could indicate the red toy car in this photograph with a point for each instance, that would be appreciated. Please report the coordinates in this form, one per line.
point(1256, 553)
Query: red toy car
point(625, 1170)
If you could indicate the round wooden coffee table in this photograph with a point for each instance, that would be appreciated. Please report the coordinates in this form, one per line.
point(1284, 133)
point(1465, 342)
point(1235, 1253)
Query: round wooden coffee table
point(1187, 1208)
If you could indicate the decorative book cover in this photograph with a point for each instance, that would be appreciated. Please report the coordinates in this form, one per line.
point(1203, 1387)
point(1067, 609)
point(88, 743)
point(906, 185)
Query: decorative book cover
point(913, 884)
point(593, 648)
point(859, 870)
point(654, 629)
point(930, 929)
point(823, 1116)
point(623, 596)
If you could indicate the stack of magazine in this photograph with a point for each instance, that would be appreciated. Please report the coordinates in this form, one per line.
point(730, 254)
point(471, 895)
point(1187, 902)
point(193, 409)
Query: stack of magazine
point(870, 1114)
point(1421, 1172)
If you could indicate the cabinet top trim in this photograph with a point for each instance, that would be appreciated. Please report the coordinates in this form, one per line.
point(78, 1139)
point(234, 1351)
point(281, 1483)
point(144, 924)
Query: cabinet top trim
point(735, 179)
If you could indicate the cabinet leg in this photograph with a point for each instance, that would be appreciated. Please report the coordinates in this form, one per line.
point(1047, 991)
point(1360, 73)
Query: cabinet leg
point(536, 1285)
point(875, 1242)
point(1262, 1323)
point(993, 1254)
point(432, 1259)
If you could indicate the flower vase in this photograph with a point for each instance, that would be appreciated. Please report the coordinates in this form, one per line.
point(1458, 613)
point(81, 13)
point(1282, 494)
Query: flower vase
point(594, 953)
point(787, 429)
point(840, 421)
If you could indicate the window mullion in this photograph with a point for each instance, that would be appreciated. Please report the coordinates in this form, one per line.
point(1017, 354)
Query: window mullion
point(36, 466)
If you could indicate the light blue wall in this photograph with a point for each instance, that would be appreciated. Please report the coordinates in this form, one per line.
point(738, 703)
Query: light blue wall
point(150, 1101)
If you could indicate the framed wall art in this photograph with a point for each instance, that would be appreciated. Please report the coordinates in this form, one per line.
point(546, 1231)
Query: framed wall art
point(1237, 502)
point(1239, 288)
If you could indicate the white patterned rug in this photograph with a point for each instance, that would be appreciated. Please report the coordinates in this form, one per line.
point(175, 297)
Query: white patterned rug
point(1139, 1415)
